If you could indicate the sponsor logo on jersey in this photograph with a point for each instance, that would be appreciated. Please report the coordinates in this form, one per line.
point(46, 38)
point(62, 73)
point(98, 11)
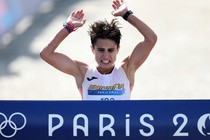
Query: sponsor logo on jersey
point(116, 89)
point(92, 78)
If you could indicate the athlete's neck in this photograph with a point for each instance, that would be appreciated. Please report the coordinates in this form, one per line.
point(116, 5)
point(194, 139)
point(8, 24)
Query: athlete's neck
point(105, 71)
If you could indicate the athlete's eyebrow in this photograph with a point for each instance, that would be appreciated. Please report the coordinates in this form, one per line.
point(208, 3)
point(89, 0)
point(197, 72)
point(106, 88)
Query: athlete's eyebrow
point(100, 49)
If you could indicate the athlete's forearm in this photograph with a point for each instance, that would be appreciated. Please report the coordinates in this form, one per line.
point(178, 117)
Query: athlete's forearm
point(145, 30)
point(54, 43)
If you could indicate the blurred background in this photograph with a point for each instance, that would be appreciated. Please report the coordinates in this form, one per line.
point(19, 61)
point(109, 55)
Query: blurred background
point(177, 68)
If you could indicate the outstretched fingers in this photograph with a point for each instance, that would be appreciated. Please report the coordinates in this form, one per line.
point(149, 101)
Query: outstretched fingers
point(76, 18)
point(119, 7)
point(77, 14)
point(117, 3)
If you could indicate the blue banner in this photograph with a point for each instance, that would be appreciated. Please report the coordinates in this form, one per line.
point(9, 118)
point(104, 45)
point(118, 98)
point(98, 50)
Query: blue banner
point(105, 120)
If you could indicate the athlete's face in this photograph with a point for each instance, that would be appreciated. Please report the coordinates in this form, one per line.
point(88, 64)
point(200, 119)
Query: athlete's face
point(105, 51)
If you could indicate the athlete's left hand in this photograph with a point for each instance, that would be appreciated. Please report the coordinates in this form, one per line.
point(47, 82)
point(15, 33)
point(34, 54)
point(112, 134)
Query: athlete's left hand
point(120, 8)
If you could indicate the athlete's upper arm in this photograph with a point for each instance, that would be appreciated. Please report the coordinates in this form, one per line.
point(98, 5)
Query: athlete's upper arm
point(137, 58)
point(140, 54)
point(62, 63)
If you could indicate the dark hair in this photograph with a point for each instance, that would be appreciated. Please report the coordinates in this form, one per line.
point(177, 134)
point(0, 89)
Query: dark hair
point(104, 30)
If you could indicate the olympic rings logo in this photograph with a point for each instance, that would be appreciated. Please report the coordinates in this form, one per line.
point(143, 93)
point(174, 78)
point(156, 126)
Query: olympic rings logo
point(11, 124)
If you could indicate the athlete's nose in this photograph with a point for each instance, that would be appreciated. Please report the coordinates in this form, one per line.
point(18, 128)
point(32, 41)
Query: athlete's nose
point(106, 54)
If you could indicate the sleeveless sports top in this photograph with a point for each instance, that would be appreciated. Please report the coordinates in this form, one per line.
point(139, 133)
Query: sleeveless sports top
point(113, 86)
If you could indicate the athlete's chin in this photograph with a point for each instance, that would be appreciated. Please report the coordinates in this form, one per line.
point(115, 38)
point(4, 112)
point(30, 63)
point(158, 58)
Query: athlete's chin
point(106, 66)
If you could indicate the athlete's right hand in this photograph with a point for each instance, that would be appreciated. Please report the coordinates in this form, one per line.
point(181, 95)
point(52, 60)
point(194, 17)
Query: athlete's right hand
point(76, 19)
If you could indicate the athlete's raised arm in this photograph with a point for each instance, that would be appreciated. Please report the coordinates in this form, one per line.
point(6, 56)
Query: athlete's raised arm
point(143, 48)
point(58, 60)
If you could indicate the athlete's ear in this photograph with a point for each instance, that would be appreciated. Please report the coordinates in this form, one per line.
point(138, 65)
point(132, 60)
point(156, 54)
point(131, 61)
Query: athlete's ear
point(118, 48)
point(92, 49)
